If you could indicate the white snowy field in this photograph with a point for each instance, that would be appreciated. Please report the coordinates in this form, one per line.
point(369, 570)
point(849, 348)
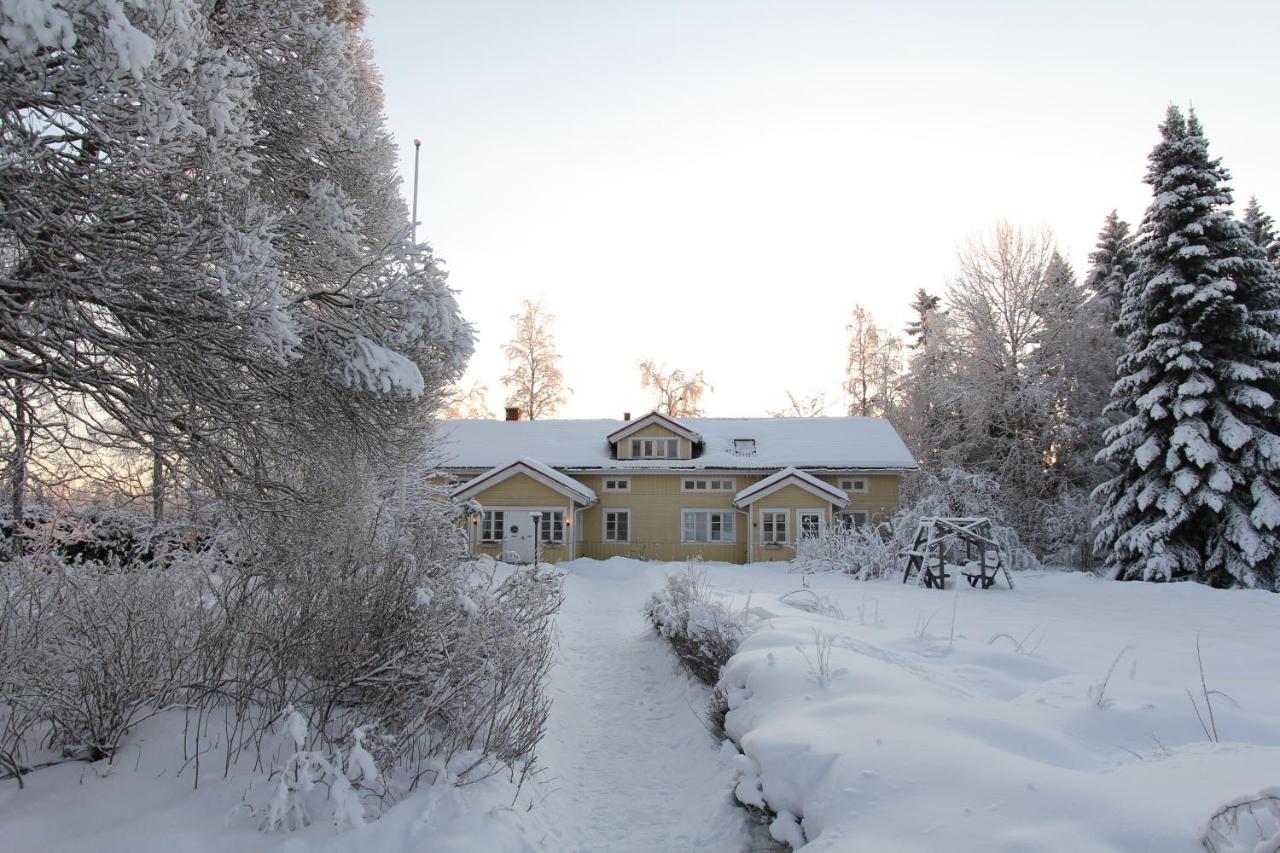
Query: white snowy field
point(976, 720)
point(924, 737)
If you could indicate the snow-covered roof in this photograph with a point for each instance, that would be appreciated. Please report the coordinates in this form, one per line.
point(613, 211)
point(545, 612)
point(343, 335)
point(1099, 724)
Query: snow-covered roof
point(790, 477)
point(868, 444)
point(549, 477)
point(677, 427)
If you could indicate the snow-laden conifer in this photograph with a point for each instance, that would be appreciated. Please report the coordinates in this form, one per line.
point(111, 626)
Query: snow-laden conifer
point(1261, 229)
point(1198, 452)
point(1111, 264)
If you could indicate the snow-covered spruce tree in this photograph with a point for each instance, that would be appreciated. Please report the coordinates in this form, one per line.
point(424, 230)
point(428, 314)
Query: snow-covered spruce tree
point(1199, 451)
point(1111, 264)
point(1261, 229)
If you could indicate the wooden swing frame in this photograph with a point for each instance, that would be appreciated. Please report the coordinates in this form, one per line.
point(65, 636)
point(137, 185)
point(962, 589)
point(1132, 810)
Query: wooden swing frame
point(935, 534)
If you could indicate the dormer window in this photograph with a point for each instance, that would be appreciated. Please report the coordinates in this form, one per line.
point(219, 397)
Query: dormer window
point(744, 446)
point(655, 448)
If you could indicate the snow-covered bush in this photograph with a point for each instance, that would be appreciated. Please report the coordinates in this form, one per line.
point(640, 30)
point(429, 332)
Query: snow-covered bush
point(86, 653)
point(704, 633)
point(376, 624)
point(288, 808)
point(872, 551)
point(865, 551)
point(1069, 531)
point(957, 493)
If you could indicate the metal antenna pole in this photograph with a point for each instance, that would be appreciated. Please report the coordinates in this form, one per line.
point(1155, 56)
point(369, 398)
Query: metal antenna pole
point(417, 149)
point(413, 237)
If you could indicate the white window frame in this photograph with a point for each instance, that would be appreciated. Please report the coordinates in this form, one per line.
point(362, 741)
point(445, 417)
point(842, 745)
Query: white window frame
point(719, 485)
point(800, 516)
point(769, 518)
point(667, 444)
point(625, 481)
point(487, 521)
point(729, 514)
point(854, 485)
point(547, 524)
point(604, 529)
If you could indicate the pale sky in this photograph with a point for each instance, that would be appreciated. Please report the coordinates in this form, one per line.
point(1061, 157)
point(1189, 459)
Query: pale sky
point(717, 184)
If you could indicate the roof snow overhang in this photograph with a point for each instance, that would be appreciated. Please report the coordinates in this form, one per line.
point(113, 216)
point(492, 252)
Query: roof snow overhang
point(791, 477)
point(650, 419)
point(534, 470)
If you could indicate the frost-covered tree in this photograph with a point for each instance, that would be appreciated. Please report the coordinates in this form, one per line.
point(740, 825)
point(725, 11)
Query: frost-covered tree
point(929, 390)
point(469, 402)
point(804, 406)
point(923, 304)
point(1111, 264)
point(677, 393)
point(1261, 229)
point(533, 378)
point(201, 250)
point(1012, 305)
point(874, 367)
point(1199, 449)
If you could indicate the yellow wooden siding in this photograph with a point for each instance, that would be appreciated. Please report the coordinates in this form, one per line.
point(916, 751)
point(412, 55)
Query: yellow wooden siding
point(546, 553)
point(880, 499)
point(521, 490)
point(656, 500)
point(793, 500)
point(654, 431)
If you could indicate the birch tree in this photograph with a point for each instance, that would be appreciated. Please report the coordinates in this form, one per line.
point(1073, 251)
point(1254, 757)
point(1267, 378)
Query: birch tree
point(677, 394)
point(874, 367)
point(533, 378)
point(813, 405)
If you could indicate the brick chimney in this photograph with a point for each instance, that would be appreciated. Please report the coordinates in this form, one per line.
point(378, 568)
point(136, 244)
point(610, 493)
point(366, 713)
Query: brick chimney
point(513, 413)
point(626, 416)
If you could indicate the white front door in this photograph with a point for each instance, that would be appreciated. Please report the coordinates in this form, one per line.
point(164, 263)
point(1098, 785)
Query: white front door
point(518, 538)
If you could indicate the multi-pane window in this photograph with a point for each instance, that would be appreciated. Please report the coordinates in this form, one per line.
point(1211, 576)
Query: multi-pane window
point(552, 524)
point(855, 518)
point(773, 527)
point(617, 484)
point(708, 526)
point(702, 484)
point(810, 524)
point(491, 526)
point(655, 448)
point(854, 485)
point(617, 525)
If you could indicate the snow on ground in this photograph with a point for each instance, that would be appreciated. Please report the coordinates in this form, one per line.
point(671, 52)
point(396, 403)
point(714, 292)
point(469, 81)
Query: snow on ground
point(924, 737)
point(921, 736)
point(628, 767)
point(631, 766)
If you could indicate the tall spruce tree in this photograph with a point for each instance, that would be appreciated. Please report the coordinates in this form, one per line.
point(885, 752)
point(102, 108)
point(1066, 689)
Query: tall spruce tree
point(1112, 263)
point(924, 304)
point(1199, 452)
point(1261, 229)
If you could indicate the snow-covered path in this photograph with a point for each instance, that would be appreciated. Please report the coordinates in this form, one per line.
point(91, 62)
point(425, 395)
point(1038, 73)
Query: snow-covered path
point(629, 765)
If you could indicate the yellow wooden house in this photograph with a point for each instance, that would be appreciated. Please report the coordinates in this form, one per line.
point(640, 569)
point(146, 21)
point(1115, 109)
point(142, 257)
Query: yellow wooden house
point(732, 489)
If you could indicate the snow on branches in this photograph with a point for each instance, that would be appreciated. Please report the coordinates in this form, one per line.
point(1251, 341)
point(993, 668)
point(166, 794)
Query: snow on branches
point(1198, 450)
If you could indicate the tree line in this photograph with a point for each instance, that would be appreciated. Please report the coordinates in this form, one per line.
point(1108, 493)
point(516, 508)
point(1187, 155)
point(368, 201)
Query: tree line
point(1128, 417)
